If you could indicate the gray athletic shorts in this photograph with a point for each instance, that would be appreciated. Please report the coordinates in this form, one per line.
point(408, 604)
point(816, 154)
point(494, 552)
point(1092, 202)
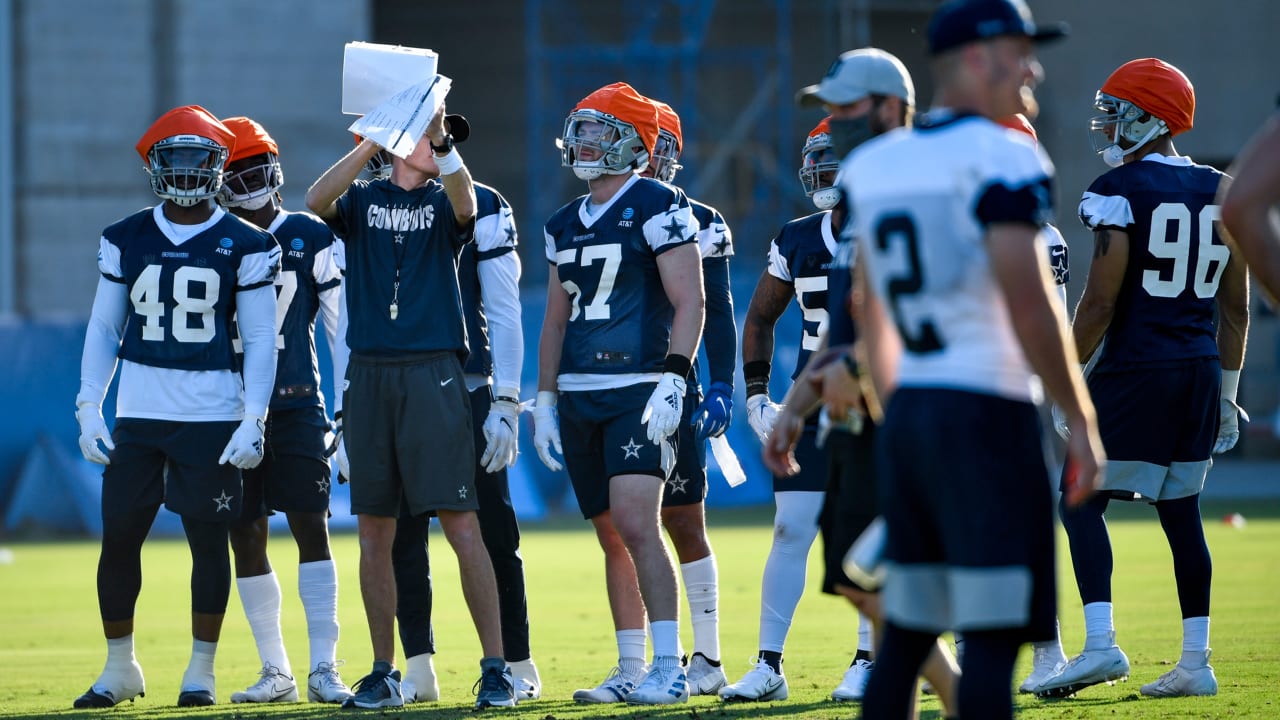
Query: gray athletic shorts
point(406, 422)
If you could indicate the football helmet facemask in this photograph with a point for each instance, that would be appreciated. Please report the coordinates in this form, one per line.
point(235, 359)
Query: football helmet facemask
point(818, 166)
point(250, 183)
point(616, 147)
point(1121, 129)
point(666, 154)
point(186, 169)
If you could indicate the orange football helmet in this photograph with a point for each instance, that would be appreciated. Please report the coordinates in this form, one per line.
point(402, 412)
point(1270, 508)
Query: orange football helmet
point(818, 167)
point(618, 125)
point(1142, 100)
point(185, 151)
point(251, 186)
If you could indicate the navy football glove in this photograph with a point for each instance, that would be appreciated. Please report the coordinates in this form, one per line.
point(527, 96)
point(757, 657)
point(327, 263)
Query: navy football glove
point(712, 417)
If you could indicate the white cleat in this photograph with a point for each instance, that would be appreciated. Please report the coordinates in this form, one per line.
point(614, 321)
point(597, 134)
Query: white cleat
point(615, 688)
point(324, 685)
point(1183, 681)
point(272, 686)
point(854, 683)
point(113, 687)
point(760, 684)
point(1045, 664)
point(1091, 667)
point(528, 684)
point(704, 677)
point(665, 684)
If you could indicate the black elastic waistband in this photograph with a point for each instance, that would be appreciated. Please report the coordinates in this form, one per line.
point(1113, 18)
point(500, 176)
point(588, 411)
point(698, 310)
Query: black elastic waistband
point(399, 360)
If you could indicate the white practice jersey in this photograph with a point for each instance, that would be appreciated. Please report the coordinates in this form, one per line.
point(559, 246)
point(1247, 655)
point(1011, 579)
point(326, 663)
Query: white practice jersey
point(921, 216)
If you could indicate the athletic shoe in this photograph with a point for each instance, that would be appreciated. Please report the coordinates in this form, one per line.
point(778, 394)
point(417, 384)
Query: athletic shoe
point(664, 684)
point(1045, 663)
point(615, 688)
point(1091, 667)
point(1183, 681)
point(760, 683)
point(528, 684)
point(324, 685)
point(495, 688)
point(113, 687)
point(196, 698)
point(705, 676)
point(272, 686)
point(376, 690)
point(854, 683)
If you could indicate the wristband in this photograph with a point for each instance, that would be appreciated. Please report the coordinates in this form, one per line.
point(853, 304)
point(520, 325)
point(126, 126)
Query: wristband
point(1230, 385)
point(507, 398)
point(756, 374)
point(546, 398)
point(850, 364)
point(448, 164)
point(677, 365)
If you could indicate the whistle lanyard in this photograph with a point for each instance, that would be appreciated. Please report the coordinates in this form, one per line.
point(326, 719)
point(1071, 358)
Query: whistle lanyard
point(394, 309)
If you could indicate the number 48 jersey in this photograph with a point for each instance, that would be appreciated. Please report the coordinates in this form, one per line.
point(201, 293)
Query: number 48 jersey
point(921, 201)
point(1165, 308)
point(620, 321)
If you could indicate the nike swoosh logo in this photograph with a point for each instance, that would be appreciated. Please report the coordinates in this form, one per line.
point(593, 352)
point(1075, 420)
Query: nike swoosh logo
point(446, 381)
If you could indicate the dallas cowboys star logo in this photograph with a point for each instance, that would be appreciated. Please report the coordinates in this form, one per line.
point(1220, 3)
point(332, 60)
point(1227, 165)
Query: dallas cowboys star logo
point(677, 483)
point(323, 485)
point(723, 243)
point(462, 492)
point(631, 449)
point(223, 501)
point(675, 231)
point(399, 238)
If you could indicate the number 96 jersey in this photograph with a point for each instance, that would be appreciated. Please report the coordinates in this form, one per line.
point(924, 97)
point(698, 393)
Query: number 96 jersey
point(182, 292)
point(620, 320)
point(921, 201)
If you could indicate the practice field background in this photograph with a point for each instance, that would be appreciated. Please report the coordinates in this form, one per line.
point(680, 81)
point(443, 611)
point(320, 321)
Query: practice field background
point(51, 647)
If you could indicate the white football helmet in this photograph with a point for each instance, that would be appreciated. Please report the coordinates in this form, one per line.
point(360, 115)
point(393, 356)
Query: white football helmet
point(818, 166)
point(252, 186)
point(379, 166)
point(1122, 120)
point(186, 169)
point(617, 147)
point(666, 154)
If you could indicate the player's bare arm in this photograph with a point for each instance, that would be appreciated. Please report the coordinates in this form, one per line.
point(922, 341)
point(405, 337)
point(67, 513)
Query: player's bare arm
point(1233, 309)
point(681, 272)
point(322, 196)
point(551, 341)
point(878, 348)
point(1098, 302)
point(1035, 315)
point(768, 302)
point(1249, 201)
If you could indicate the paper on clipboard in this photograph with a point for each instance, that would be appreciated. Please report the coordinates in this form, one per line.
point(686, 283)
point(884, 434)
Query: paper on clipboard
point(399, 123)
point(373, 73)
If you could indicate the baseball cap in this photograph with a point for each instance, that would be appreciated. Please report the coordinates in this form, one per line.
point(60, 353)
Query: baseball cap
point(958, 22)
point(857, 74)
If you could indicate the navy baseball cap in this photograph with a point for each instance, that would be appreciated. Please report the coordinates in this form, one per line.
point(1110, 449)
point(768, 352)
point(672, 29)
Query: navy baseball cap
point(958, 22)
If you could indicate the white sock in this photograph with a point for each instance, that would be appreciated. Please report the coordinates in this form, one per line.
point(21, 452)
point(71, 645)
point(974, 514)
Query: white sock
point(701, 585)
point(666, 638)
point(866, 634)
point(199, 674)
point(631, 653)
point(1195, 639)
point(120, 653)
point(260, 596)
point(419, 669)
point(318, 589)
point(1052, 647)
point(1099, 626)
point(795, 526)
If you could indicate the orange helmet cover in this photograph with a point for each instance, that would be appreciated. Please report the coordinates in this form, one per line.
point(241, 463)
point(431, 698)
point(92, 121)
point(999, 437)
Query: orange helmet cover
point(1157, 87)
point(824, 126)
point(186, 120)
point(251, 139)
point(1020, 123)
point(669, 120)
point(623, 102)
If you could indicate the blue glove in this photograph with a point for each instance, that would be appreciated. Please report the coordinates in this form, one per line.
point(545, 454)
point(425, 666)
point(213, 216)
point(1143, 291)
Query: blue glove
point(712, 417)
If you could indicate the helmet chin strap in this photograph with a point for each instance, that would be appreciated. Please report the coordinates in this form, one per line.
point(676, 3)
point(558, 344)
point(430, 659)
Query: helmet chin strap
point(1114, 156)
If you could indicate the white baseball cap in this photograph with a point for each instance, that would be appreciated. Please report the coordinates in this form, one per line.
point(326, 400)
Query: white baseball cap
point(857, 74)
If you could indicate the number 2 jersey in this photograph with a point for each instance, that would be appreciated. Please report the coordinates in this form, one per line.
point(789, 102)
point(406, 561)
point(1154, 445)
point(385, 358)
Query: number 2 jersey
point(801, 256)
point(176, 344)
point(619, 326)
point(1165, 308)
point(921, 218)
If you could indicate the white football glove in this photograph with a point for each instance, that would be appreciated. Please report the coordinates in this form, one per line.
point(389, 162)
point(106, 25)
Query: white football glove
point(93, 430)
point(500, 435)
point(546, 430)
point(1060, 422)
point(1228, 413)
point(245, 448)
point(336, 448)
point(665, 407)
point(762, 413)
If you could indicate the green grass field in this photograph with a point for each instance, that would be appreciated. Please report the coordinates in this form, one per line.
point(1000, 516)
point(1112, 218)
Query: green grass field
point(51, 647)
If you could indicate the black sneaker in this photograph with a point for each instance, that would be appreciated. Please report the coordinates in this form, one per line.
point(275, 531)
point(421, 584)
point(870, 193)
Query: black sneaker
point(495, 688)
point(376, 690)
point(196, 698)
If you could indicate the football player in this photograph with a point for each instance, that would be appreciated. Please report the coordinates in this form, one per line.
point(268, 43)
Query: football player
point(958, 314)
point(489, 276)
point(624, 315)
point(1165, 381)
point(683, 509)
point(407, 427)
point(177, 279)
point(294, 475)
point(1249, 205)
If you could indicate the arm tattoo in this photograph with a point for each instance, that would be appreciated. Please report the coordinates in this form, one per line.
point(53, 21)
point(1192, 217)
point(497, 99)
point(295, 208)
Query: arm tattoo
point(1101, 242)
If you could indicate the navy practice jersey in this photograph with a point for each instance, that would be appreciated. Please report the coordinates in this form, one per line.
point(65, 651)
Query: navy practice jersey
point(1166, 304)
point(386, 227)
point(495, 235)
point(620, 320)
point(182, 296)
point(311, 264)
point(719, 329)
point(800, 256)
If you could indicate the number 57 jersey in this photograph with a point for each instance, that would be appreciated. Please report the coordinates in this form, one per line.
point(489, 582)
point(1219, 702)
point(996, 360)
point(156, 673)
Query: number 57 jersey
point(921, 201)
point(606, 258)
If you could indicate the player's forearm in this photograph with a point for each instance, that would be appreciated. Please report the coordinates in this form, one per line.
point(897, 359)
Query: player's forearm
point(1090, 325)
point(720, 335)
point(102, 341)
point(256, 315)
point(1233, 333)
point(330, 186)
point(1248, 207)
point(686, 325)
point(461, 192)
point(802, 397)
